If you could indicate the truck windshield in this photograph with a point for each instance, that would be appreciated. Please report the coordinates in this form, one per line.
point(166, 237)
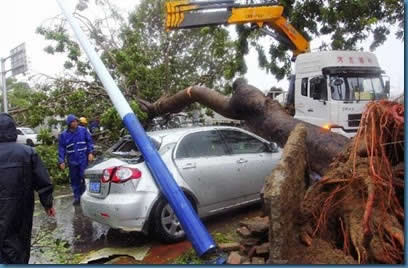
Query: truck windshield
point(350, 88)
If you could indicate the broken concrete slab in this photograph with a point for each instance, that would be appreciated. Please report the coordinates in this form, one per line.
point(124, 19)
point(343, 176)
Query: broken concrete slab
point(229, 246)
point(234, 258)
point(257, 225)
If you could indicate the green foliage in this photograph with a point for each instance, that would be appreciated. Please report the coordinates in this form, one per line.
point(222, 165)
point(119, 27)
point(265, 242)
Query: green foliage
point(52, 249)
point(189, 257)
point(221, 238)
point(345, 22)
point(112, 121)
point(157, 62)
point(146, 61)
point(48, 154)
point(45, 137)
point(29, 102)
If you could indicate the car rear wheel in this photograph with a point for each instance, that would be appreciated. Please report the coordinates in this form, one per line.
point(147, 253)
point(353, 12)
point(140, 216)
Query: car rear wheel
point(167, 226)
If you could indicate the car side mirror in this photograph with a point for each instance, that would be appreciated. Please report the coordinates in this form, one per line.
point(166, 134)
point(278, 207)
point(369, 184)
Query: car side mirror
point(273, 147)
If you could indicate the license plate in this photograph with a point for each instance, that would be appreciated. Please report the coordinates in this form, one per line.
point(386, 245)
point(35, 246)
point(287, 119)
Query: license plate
point(95, 187)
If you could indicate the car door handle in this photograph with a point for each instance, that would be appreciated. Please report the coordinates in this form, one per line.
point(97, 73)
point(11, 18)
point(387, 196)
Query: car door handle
point(242, 161)
point(310, 110)
point(189, 166)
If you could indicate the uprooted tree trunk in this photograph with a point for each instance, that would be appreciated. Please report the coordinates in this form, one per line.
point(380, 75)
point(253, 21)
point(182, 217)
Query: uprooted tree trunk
point(355, 213)
point(263, 115)
point(357, 207)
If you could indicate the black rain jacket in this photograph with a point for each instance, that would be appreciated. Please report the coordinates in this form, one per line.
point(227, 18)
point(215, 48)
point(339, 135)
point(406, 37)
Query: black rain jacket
point(21, 172)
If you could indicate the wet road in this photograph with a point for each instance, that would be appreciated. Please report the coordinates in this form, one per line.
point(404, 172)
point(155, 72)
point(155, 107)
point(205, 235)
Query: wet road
point(56, 240)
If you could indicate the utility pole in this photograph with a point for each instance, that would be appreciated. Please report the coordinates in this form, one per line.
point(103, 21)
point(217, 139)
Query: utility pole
point(18, 65)
point(196, 232)
point(4, 85)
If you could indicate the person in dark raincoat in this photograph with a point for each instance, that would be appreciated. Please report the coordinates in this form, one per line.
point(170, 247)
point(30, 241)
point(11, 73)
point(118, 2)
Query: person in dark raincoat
point(76, 145)
point(21, 172)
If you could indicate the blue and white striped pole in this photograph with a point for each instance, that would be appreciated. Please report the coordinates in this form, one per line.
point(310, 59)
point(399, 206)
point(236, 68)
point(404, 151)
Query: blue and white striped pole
point(196, 232)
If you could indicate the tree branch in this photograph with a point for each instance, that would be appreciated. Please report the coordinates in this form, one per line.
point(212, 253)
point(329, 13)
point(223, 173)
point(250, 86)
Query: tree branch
point(263, 115)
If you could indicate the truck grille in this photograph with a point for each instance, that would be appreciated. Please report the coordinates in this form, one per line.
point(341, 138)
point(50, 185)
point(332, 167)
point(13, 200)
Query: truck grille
point(354, 120)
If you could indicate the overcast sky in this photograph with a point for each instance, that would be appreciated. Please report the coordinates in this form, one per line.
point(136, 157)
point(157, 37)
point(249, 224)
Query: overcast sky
point(19, 19)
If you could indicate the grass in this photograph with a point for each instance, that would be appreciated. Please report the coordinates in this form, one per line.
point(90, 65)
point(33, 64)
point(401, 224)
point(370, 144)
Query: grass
point(190, 256)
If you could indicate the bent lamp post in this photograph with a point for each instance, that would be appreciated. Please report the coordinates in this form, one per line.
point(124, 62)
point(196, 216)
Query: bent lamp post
point(195, 230)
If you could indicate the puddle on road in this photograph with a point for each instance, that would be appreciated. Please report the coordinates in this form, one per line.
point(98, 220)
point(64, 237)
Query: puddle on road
point(70, 234)
point(70, 237)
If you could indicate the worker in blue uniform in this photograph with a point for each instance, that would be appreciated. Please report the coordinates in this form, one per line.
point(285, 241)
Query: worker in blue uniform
point(75, 144)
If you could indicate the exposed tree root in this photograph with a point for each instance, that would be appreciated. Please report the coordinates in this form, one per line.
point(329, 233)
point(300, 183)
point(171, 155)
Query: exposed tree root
point(361, 190)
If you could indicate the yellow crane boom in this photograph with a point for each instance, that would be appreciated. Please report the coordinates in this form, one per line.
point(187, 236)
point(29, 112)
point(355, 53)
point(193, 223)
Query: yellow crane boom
point(182, 14)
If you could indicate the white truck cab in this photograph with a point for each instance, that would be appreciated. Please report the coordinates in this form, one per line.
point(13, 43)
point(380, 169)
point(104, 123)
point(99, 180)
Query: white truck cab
point(331, 88)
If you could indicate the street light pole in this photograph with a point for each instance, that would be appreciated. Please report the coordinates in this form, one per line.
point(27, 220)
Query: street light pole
point(4, 85)
point(193, 227)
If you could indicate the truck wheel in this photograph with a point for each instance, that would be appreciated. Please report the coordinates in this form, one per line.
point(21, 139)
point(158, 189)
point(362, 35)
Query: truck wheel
point(30, 143)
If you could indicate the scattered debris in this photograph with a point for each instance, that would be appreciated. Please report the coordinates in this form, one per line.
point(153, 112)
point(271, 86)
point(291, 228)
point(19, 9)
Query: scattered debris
point(234, 258)
point(138, 253)
point(229, 246)
point(257, 260)
point(244, 232)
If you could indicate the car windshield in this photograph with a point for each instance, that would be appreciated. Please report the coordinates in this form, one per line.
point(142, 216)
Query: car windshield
point(126, 146)
point(350, 88)
point(28, 131)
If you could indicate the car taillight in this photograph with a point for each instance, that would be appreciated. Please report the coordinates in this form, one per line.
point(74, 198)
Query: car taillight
point(107, 174)
point(120, 174)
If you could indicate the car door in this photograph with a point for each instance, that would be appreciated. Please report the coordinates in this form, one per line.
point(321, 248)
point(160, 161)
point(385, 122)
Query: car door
point(203, 161)
point(253, 159)
point(20, 137)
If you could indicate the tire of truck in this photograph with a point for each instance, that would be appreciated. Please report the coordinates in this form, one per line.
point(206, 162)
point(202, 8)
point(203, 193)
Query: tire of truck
point(167, 227)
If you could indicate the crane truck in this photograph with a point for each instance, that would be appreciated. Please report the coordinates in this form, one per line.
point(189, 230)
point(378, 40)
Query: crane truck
point(329, 88)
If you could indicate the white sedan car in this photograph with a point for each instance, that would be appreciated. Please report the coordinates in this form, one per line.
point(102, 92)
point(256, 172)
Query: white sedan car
point(218, 168)
point(26, 136)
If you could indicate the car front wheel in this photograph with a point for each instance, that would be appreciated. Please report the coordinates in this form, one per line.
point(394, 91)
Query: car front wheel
point(167, 226)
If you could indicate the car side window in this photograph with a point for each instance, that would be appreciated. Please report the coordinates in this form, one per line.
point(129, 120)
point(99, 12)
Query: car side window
point(19, 132)
point(242, 143)
point(201, 144)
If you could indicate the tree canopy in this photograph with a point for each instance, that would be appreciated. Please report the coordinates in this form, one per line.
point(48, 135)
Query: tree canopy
point(149, 63)
point(145, 60)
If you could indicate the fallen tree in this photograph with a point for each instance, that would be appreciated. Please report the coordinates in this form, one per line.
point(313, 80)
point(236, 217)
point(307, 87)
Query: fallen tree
point(262, 115)
point(357, 208)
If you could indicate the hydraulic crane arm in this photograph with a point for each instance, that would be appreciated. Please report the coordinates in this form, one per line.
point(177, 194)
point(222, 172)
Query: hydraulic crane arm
point(190, 14)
